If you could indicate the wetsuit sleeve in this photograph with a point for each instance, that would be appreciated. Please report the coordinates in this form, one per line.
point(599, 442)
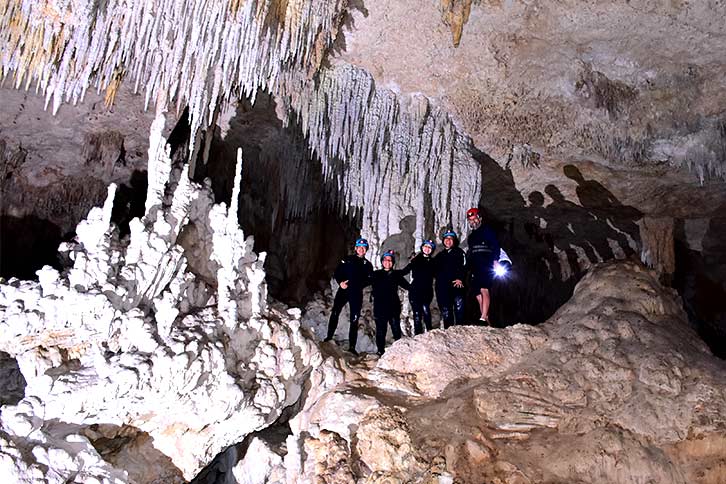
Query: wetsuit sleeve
point(402, 282)
point(411, 266)
point(407, 270)
point(367, 276)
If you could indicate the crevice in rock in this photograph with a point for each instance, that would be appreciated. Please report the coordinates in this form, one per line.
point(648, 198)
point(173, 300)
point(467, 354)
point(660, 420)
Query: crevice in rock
point(703, 294)
point(12, 382)
point(132, 450)
point(221, 469)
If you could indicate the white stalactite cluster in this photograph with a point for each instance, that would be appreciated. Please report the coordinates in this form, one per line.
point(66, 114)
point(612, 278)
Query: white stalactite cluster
point(386, 153)
point(198, 52)
point(130, 337)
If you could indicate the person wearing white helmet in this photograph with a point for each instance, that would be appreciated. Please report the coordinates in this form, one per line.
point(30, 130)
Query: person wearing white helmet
point(421, 293)
point(353, 274)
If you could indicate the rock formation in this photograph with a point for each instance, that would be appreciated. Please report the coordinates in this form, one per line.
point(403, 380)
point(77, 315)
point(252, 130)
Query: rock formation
point(150, 350)
point(616, 387)
point(133, 342)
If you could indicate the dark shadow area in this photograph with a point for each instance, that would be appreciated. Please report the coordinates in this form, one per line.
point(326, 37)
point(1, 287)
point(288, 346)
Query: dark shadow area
point(129, 201)
point(12, 381)
point(700, 279)
point(403, 242)
point(26, 245)
point(219, 471)
point(535, 288)
point(549, 239)
point(613, 218)
point(284, 203)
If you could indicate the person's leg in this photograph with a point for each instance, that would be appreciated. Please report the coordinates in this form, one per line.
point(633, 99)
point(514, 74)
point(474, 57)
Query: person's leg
point(417, 310)
point(396, 326)
point(341, 298)
point(459, 300)
point(443, 297)
point(426, 309)
point(484, 300)
point(381, 330)
point(356, 303)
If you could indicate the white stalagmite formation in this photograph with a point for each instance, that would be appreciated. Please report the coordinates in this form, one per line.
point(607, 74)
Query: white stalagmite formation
point(131, 337)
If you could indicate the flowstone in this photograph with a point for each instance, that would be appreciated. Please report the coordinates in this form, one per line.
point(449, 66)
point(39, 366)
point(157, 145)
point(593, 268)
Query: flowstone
point(615, 387)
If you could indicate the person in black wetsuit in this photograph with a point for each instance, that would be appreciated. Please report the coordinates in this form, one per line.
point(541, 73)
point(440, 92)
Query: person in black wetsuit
point(450, 271)
point(483, 252)
point(421, 293)
point(353, 274)
point(386, 304)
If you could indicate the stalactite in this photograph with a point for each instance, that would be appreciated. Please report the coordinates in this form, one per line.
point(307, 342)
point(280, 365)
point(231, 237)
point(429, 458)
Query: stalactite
point(455, 13)
point(384, 151)
point(381, 151)
point(199, 52)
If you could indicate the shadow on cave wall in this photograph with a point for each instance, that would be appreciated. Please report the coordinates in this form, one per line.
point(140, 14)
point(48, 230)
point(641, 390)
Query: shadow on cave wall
point(283, 200)
point(551, 244)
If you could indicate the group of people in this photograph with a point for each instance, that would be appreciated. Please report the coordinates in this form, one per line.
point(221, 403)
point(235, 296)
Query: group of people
point(445, 274)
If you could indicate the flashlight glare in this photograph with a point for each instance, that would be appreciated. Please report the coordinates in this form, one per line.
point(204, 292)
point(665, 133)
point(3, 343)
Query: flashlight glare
point(499, 270)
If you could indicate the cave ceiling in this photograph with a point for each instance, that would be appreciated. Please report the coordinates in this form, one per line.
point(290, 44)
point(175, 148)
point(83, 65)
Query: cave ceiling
point(632, 92)
point(402, 101)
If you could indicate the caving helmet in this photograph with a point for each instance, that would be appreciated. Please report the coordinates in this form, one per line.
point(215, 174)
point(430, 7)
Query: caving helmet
point(361, 243)
point(389, 253)
point(449, 233)
point(430, 243)
point(473, 212)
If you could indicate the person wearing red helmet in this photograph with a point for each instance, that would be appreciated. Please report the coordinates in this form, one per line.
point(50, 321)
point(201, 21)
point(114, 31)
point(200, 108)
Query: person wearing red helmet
point(482, 253)
point(386, 304)
point(421, 293)
point(353, 274)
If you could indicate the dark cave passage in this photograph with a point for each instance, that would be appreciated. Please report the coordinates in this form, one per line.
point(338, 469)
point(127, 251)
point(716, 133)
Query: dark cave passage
point(284, 202)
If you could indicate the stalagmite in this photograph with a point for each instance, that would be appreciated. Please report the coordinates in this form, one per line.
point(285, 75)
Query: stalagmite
point(129, 337)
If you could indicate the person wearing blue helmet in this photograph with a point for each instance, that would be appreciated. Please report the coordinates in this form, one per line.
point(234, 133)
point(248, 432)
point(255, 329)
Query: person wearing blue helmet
point(386, 304)
point(450, 272)
point(353, 275)
point(421, 293)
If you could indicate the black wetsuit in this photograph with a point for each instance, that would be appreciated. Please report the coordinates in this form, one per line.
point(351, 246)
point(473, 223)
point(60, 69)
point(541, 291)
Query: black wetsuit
point(483, 252)
point(357, 271)
point(387, 305)
point(421, 293)
point(450, 265)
